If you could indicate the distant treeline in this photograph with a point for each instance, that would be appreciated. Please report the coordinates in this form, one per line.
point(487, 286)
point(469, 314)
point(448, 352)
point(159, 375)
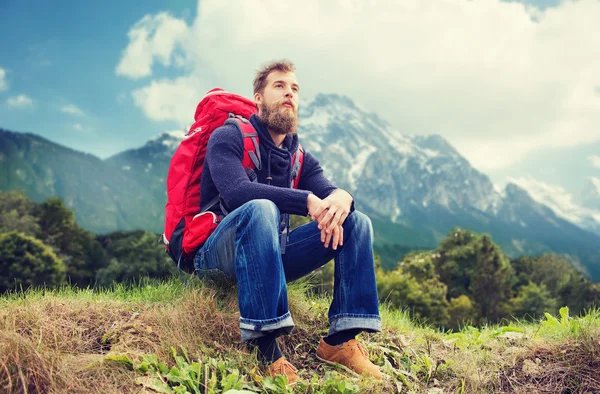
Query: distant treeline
point(42, 245)
point(469, 280)
point(466, 280)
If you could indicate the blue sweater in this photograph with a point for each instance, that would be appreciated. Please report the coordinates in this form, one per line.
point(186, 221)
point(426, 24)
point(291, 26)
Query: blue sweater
point(223, 172)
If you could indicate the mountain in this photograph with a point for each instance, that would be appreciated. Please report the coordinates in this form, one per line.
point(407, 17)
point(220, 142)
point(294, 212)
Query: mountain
point(543, 231)
point(415, 188)
point(104, 198)
point(391, 173)
point(149, 166)
point(581, 213)
point(418, 187)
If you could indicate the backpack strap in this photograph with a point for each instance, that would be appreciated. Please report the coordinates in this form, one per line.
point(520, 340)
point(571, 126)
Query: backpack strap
point(297, 160)
point(251, 157)
point(251, 160)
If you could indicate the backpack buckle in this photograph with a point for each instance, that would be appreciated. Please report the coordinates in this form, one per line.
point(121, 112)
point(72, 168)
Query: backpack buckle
point(240, 117)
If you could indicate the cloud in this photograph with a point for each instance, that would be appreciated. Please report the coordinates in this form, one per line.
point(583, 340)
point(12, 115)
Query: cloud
point(20, 101)
point(72, 110)
point(170, 99)
point(595, 160)
point(3, 83)
point(152, 37)
point(82, 128)
point(486, 75)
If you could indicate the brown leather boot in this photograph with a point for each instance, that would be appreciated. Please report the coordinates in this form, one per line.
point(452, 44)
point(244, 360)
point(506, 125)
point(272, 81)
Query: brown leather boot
point(283, 367)
point(351, 355)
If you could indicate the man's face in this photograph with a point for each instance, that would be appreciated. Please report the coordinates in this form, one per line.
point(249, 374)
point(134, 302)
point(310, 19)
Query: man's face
point(278, 104)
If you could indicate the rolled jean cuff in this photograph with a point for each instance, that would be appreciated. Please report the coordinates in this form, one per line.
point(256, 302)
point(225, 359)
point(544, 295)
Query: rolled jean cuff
point(346, 321)
point(252, 329)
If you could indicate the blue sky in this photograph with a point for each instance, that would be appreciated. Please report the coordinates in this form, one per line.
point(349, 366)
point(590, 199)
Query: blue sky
point(486, 75)
point(65, 53)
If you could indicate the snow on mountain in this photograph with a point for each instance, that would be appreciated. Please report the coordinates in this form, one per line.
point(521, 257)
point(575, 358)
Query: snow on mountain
point(561, 202)
point(390, 172)
point(170, 139)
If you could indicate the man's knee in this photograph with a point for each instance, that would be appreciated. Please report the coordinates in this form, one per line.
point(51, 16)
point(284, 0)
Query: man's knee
point(360, 223)
point(264, 210)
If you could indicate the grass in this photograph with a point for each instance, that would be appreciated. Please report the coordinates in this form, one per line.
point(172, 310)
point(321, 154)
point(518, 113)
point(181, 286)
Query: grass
point(182, 335)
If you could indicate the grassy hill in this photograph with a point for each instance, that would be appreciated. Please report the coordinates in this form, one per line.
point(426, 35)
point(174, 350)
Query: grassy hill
point(182, 336)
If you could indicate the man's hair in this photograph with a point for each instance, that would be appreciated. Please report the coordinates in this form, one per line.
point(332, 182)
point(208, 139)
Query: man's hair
point(261, 76)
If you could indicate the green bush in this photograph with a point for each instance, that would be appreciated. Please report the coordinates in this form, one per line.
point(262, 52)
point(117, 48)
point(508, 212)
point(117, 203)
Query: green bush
point(26, 262)
point(17, 214)
point(134, 254)
point(461, 312)
point(534, 300)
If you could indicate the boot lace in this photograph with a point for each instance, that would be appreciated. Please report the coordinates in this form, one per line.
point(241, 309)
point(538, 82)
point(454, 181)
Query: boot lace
point(362, 349)
point(281, 368)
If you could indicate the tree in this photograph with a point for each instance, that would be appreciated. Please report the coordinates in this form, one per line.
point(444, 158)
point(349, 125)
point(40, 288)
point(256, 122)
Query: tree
point(17, 214)
point(472, 265)
point(563, 282)
point(491, 283)
point(134, 254)
point(419, 265)
point(457, 261)
point(78, 248)
point(426, 300)
point(533, 300)
point(26, 261)
point(461, 311)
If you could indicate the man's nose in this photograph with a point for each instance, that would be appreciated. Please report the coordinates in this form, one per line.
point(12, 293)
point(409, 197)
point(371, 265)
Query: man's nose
point(289, 93)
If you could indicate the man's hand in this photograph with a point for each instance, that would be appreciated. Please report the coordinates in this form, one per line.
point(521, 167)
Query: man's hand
point(313, 204)
point(338, 237)
point(333, 210)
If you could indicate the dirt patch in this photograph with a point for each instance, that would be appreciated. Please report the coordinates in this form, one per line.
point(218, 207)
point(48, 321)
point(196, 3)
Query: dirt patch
point(572, 367)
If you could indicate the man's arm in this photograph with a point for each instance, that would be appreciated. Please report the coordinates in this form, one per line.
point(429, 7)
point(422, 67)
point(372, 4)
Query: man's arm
point(224, 156)
point(312, 178)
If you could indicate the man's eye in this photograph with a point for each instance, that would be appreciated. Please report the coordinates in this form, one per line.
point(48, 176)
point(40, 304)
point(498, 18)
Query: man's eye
point(295, 90)
point(278, 85)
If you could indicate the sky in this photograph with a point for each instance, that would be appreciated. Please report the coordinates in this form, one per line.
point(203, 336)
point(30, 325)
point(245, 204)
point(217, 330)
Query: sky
point(512, 85)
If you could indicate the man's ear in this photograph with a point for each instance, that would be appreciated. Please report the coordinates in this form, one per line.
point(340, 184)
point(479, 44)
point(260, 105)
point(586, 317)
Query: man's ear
point(257, 100)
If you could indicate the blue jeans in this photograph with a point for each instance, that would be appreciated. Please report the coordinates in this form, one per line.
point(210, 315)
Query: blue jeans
point(245, 247)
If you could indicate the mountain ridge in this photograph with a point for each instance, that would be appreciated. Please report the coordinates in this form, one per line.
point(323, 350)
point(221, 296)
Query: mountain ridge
point(417, 188)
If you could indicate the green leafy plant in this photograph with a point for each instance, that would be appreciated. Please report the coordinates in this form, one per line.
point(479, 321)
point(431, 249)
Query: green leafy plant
point(188, 376)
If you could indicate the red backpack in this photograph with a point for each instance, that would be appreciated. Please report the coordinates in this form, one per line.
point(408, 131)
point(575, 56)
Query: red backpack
point(186, 226)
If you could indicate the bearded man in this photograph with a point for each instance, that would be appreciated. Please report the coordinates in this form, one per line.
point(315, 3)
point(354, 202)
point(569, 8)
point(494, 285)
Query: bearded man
point(252, 245)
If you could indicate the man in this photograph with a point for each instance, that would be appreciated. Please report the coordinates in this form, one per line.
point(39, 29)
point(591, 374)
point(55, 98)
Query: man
point(247, 243)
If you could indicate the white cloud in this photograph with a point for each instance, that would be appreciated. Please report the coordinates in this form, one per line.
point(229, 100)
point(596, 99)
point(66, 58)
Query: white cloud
point(82, 128)
point(595, 160)
point(153, 36)
point(72, 110)
point(596, 182)
point(170, 99)
point(20, 101)
point(497, 79)
point(3, 83)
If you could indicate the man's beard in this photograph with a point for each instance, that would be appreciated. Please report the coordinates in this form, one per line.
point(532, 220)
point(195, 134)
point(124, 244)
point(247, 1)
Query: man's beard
point(279, 119)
